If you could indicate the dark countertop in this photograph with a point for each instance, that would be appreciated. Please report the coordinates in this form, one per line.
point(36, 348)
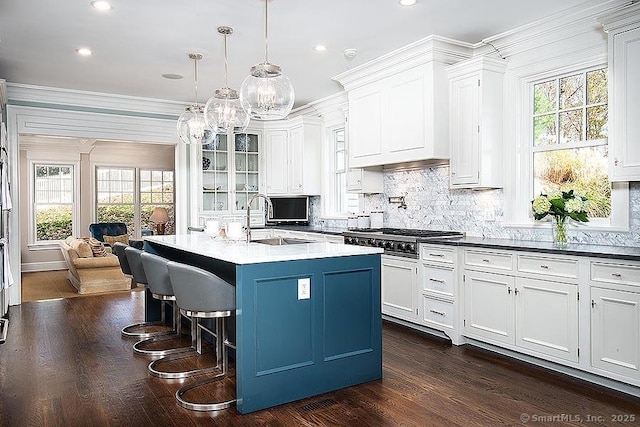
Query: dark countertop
point(576, 249)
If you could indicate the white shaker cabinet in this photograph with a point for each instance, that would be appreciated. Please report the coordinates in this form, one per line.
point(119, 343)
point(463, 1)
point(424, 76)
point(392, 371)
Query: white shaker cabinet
point(475, 123)
point(623, 28)
point(615, 331)
point(401, 118)
point(400, 288)
point(532, 304)
point(292, 155)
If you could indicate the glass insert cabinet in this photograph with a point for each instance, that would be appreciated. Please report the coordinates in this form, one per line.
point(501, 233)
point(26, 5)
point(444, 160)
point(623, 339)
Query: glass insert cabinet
point(231, 167)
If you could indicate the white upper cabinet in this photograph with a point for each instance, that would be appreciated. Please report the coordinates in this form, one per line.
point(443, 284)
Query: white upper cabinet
point(398, 105)
point(475, 123)
point(292, 155)
point(623, 28)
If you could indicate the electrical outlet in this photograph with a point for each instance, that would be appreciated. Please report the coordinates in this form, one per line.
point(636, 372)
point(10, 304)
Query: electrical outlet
point(304, 288)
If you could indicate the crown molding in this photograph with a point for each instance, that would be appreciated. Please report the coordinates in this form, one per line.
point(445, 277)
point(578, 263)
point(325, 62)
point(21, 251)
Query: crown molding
point(23, 94)
point(619, 18)
point(564, 25)
point(429, 49)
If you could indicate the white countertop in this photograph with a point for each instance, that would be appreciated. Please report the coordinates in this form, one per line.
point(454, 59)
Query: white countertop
point(242, 252)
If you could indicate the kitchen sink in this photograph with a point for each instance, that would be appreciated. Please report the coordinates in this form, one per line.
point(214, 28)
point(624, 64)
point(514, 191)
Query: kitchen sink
point(279, 241)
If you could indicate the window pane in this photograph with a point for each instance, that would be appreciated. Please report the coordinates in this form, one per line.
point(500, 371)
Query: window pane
point(597, 122)
point(145, 175)
point(544, 130)
point(584, 170)
point(571, 126)
point(572, 91)
point(545, 97)
point(53, 222)
point(597, 85)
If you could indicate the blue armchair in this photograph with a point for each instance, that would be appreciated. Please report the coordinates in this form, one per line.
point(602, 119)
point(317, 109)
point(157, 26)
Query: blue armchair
point(100, 229)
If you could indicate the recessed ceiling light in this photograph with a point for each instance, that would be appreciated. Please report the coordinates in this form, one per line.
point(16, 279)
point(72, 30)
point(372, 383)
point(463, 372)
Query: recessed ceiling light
point(101, 5)
point(84, 51)
point(171, 76)
point(407, 2)
point(320, 48)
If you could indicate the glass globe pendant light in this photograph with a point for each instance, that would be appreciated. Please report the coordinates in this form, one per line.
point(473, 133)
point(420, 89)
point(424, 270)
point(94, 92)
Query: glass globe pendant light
point(265, 93)
point(191, 126)
point(223, 111)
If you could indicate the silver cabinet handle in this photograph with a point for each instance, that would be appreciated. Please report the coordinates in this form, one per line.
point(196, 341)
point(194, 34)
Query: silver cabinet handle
point(438, 255)
point(516, 290)
point(438, 312)
point(486, 260)
point(544, 267)
point(436, 280)
point(616, 274)
point(509, 289)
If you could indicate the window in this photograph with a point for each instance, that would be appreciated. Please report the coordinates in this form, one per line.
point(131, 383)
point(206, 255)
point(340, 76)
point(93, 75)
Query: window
point(53, 201)
point(569, 138)
point(344, 202)
point(129, 195)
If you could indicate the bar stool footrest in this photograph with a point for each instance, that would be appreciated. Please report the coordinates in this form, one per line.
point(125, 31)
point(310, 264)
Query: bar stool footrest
point(208, 406)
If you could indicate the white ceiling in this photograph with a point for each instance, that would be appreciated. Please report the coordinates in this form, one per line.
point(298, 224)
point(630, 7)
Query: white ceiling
point(139, 40)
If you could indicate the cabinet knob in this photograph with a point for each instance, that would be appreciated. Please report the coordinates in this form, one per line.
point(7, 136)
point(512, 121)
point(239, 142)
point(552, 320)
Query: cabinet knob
point(593, 303)
point(615, 162)
point(509, 290)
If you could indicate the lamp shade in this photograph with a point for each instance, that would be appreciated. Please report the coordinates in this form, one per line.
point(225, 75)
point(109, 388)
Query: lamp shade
point(223, 112)
point(159, 216)
point(266, 94)
point(192, 128)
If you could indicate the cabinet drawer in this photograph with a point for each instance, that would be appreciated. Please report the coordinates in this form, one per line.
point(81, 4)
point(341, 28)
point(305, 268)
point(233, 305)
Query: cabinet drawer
point(615, 273)
point(430, 253)
point(492, 260)
point(548, 266)
point(438, 279)
point(437, 312)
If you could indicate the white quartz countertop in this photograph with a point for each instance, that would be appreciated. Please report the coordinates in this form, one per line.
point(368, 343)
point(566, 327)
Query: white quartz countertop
point(242, 252)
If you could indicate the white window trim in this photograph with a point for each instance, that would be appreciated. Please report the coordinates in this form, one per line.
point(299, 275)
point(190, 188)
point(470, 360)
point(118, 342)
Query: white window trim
point(52, 244)
point(518, 194)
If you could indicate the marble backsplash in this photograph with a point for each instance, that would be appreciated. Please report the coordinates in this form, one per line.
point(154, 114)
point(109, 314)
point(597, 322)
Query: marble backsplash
point(432, 205)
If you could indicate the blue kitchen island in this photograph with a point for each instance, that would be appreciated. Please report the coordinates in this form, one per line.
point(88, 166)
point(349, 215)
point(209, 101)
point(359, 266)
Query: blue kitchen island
point(308, 315)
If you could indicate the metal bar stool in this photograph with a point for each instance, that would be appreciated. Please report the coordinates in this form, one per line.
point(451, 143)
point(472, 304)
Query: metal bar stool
point(156, 277)
point(137, 330)
point(160, 283)
point(203, 295)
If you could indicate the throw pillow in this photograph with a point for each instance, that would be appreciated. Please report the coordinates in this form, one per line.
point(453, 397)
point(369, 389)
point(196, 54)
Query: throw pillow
point(123, 238)
point(82, 248)
point(97, 247)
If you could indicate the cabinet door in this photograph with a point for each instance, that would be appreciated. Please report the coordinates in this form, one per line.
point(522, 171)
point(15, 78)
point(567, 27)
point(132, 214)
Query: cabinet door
point(399, 288)
point(488, 306)
point(547, 317)
point(365, 126)
point(406, 114)
point(465, 131)
point(296, 160)
point(625, 106)
point(615, 331)
point(277, 156)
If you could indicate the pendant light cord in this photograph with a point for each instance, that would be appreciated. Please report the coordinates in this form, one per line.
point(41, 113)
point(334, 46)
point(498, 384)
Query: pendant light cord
point(226, 80)
point(195, 78)
point(266, 34)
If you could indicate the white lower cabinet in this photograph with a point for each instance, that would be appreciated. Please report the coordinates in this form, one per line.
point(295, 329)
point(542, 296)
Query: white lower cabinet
point(615, 331)
point(488, 308)
point(547, 317)
point(399, 288)
point(521, 309)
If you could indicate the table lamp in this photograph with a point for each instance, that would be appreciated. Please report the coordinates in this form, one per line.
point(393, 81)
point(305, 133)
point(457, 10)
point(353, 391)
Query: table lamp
point(160, 217)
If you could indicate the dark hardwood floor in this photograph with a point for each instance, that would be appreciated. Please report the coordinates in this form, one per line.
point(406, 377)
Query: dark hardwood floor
point(65, 364)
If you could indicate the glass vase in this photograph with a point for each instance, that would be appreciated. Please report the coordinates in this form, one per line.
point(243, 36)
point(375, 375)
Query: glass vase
point(559, 231)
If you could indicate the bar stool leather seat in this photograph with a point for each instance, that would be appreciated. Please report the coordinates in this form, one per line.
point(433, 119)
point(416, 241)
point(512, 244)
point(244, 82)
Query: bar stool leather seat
point(140, 330)
point(203, 295)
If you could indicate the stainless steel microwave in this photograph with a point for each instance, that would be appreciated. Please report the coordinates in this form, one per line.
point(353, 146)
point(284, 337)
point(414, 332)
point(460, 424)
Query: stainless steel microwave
point(289, 210)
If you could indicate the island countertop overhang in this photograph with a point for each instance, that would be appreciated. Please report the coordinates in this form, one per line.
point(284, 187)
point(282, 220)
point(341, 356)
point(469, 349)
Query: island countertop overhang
point(241, 252)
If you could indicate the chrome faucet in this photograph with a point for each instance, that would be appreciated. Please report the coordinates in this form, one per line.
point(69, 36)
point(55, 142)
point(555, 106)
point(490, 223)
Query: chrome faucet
point(269, 211)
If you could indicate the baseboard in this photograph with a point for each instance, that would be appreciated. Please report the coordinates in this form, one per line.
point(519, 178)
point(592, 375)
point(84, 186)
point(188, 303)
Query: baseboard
point(32, 267)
